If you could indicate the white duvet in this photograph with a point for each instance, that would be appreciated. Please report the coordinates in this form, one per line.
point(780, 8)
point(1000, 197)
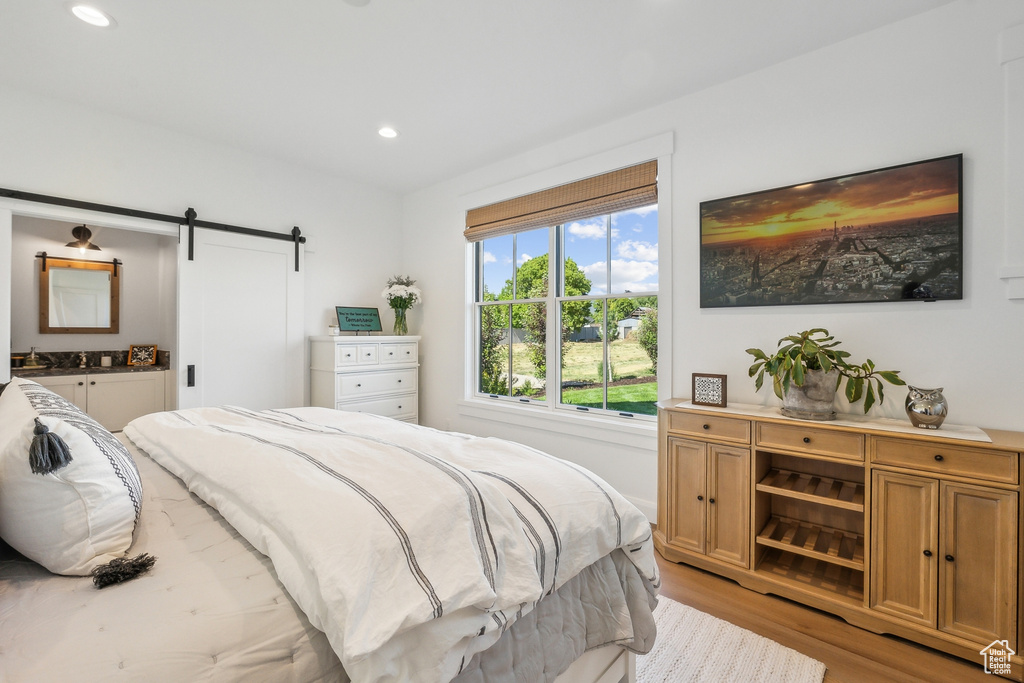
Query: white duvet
point(412, 549)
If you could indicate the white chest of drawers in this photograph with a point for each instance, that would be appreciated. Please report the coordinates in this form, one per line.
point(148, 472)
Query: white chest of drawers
point(366, 374)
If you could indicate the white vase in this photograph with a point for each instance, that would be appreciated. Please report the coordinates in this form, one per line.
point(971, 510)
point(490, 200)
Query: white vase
point(814, 399)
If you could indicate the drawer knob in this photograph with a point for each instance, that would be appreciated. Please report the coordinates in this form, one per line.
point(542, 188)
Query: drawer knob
point(399, 381)
point(949, 558)
point(711, 500)
point(399, 407)
point(700, 497)
point(939, 458)
point(81, 384)
point(927, 553)
point(807, 439)
point(359, 385)
point(93, 383)
point(707, 426)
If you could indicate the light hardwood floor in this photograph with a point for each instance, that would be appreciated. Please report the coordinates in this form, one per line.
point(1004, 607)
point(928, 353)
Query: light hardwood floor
point(851, 654)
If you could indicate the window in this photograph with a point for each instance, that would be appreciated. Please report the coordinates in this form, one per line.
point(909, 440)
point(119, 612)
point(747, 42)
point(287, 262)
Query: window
point(608, 308)
point(577, 331)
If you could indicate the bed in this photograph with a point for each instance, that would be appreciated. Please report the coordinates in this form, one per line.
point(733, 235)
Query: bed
point(291, 555)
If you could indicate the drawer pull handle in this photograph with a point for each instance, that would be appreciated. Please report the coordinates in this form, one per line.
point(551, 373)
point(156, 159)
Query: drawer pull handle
point(81, 384)
point(807, 439)
point(939, 458)
point(711, 500)
point(707, 426)
point(93, 383)
point(949, 558)
point(399, 381)
point(359, 385)
point(927, 553)
point(391, 353)
point(700, 497)
point(399, 407)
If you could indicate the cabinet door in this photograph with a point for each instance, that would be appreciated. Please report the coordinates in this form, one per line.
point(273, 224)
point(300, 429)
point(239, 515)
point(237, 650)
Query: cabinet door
point(729, 504)
point(71, 387)
point(904, 546)
point(978, 563)
point(118, 398)
point(687, 480)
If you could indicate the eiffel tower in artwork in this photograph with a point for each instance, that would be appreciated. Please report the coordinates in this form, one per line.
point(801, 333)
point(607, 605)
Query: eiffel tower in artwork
point(755, 273)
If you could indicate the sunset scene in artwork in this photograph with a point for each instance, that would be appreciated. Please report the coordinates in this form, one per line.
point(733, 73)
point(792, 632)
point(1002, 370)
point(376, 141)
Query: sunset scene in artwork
point(879, 197)
point(880, 235)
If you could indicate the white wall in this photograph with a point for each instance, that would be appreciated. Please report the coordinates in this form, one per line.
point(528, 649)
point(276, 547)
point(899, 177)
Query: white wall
point(58, 149)
point(926, 87)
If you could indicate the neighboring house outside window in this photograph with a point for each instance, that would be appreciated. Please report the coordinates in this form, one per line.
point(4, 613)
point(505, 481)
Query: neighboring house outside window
point(577, 331)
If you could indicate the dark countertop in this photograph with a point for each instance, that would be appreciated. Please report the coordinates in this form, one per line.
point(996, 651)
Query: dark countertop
point(31, 373)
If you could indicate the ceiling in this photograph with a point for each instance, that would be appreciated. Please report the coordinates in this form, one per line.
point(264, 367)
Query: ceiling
point(465, 82)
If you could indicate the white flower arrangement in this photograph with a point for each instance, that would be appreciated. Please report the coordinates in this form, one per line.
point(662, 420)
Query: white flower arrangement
point(402, 292)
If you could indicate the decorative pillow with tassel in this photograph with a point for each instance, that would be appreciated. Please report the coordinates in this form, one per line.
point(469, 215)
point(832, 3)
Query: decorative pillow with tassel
point(70, 494)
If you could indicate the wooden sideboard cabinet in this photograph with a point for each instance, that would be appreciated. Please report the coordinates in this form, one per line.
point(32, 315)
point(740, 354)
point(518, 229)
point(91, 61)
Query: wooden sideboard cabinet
point(113, 399)
point(898, 530)
point(366, 374)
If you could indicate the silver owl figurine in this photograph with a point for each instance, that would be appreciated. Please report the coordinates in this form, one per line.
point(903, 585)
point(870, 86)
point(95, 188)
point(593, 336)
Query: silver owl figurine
point(926, 408)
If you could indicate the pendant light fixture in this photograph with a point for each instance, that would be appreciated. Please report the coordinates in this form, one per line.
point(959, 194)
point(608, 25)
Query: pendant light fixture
point(81, 241)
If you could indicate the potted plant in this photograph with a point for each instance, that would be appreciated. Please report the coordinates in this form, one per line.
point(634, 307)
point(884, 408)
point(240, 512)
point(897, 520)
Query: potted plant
point(807, 371)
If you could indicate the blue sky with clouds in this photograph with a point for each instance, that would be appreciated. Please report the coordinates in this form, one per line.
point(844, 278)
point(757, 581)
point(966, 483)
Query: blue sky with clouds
point(634, 252)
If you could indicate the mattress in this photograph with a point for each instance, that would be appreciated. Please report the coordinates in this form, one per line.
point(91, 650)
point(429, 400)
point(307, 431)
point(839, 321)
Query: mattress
point(212, 608)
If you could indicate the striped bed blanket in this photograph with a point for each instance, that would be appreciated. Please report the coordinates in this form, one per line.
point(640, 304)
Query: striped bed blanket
point(411, 548)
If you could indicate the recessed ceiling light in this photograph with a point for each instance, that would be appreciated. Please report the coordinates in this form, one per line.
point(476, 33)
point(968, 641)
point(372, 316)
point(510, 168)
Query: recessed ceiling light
point(387, 132)
point(91, 15)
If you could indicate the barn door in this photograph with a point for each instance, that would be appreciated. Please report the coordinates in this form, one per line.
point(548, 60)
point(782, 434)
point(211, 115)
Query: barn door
point(240, 321)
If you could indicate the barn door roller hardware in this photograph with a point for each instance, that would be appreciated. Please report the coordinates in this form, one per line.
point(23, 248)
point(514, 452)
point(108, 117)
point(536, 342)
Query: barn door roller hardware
point(190, 218)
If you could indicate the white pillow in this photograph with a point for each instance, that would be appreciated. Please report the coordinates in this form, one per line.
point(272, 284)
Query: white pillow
point(79, 516)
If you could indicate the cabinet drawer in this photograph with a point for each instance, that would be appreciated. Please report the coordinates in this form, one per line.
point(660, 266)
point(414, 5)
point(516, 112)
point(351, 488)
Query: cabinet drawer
point(710, 426)
point(346, 354)
point(397, 353)
point(811, 440)
point(962, 461)
point(363, 384)
point(400, 407)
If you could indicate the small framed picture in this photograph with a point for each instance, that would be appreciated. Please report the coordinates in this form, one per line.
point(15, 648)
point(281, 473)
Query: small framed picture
point(708, 390)
point(142, 354)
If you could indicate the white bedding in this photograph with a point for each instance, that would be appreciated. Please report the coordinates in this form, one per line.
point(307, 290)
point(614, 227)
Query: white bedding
point(333, 504)
point(210, 609)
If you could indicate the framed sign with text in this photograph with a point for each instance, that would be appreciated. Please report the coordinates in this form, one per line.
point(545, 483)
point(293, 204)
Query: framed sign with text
point(358, 319)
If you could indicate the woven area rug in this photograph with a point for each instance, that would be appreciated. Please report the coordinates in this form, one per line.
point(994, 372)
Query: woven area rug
point(694, 646)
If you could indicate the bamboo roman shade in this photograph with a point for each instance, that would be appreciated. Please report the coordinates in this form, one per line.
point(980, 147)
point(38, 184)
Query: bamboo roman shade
point(626, 188)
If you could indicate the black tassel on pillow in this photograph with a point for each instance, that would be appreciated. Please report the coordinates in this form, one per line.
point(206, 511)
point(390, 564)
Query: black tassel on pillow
point(48, 452)
point(121, 569)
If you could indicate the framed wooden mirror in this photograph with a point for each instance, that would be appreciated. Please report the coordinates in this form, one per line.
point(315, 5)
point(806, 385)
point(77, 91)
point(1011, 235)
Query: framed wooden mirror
point(78, 297)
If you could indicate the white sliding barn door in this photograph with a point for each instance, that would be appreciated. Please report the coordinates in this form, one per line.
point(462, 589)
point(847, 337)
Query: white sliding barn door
point(240, 322)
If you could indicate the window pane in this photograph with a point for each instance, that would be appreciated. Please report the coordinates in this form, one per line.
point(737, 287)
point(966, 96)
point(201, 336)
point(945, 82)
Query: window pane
point(529, 349)
point(582, 359)
point(532, 262)
point(634, 242)
point(494, 350)
point(585, 264)
point(632, 378)
point(496, 254)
